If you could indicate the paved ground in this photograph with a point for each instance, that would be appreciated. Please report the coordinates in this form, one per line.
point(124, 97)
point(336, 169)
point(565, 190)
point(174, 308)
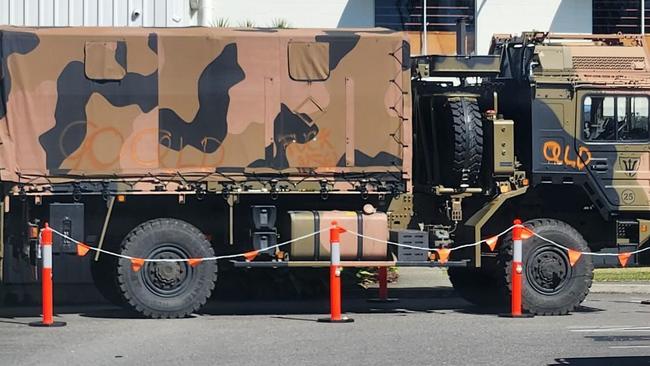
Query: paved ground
point(427, 327)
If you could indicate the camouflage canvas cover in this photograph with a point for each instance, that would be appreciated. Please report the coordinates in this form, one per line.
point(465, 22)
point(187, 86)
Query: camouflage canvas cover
point(129, 102)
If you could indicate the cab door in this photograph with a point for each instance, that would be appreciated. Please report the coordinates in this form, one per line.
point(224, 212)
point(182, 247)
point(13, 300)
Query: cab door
point(613, 142)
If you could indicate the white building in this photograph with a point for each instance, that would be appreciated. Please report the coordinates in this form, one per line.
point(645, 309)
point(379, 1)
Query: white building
point(485, 17)
point(515, 16)
point(117, 13)
point(171, 13)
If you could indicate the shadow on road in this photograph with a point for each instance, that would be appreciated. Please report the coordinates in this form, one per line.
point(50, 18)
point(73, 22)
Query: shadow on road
point(438, 300)
point(282, 294)
point(428, 300)
point(482, 310)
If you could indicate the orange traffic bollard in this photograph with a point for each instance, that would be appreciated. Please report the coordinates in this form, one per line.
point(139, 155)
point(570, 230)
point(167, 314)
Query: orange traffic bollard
point(335, 277)
point(517, 273)
point(46, 279)
point(383, 287)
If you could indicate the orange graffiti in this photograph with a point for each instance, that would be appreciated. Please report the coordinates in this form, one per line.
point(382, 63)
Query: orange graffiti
point(103, 156)
point(102, 159)
point(142, 140)
point(317, 152)
point(552, 151)
point(205, 160)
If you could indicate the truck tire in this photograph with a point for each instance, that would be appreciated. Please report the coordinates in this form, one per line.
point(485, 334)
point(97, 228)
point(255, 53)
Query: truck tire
point(550, 285)
point(465, 134)
point(166, 289)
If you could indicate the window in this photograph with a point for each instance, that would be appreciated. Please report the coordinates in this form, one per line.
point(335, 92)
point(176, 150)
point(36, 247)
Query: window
point(616, 118)
point(406, 15)
point(613, 16)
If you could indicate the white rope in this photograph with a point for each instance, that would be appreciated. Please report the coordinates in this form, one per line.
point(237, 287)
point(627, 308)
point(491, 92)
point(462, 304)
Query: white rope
point(388, 242)
point(188, 259)
point(427, 248)
point(586, 253)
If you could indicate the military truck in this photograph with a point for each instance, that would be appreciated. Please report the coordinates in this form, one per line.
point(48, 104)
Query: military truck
point(190, 143)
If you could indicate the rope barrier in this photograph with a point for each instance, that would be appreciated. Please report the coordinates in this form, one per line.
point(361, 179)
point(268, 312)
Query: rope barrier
point(588, 253)
point(250, 254)
point(519, 234)
point(429, 249)
point(443, 253)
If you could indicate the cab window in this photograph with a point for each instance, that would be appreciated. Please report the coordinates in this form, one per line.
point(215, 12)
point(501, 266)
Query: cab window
point(616, 118)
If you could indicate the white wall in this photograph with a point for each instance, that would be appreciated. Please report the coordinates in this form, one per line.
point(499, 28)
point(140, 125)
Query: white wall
point(515, 16)
point(153, 13)
point(299, 13)
point(171, 13)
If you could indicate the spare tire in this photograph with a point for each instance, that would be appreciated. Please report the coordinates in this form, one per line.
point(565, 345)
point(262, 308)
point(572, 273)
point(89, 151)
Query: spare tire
point(462, 147)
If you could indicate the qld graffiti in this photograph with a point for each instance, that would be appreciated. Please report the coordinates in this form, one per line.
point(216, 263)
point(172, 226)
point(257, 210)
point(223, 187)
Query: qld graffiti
point(554, 153)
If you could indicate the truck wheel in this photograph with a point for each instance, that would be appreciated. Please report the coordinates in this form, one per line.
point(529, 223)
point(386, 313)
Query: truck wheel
point(479, 286)
point(550, 285)
point(466, 135)
point(166, 289)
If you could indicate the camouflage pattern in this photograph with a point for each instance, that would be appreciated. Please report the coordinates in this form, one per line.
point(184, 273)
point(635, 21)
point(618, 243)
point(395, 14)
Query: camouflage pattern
point(205, 103)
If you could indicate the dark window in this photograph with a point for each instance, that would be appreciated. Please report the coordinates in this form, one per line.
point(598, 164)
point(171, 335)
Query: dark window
point(406, 15)
point(616, 118)
point(647, 16)
point(613, 16)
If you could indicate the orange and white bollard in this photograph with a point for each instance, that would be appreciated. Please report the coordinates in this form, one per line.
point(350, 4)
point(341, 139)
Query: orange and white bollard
point(335, 277)
point(383, 287)
point(46, 279)
point(517, 273)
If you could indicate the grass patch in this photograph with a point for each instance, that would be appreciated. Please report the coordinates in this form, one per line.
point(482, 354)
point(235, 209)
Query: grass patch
point(622, 274)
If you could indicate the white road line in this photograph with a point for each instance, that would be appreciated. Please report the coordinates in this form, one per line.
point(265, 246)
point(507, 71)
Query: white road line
point(612, 329)
point(598, 326)
point(626, 347)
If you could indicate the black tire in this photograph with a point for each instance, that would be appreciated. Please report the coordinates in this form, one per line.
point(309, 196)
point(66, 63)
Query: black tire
point(550, 285)
point(104, 273)
point(480, 286)
point(165, 289)
point(466, 138)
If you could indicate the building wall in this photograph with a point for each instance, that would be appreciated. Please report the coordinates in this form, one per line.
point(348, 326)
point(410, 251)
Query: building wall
point(178, 13)
point(515, 16)
point(299, 14)
point(152, 13)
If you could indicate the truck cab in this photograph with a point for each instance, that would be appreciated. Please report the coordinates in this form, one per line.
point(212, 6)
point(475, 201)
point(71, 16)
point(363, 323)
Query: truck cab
point(589, 108)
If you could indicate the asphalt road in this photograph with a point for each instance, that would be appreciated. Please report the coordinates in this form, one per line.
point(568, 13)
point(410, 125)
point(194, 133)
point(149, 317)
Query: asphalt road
point(609, 330)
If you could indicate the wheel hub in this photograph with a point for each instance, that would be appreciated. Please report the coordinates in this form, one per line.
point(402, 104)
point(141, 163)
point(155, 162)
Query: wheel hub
point(166, 274)
point(548, 270)
point(167, 278)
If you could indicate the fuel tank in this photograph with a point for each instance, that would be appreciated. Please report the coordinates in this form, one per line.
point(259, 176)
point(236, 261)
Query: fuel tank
point(353, 247)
